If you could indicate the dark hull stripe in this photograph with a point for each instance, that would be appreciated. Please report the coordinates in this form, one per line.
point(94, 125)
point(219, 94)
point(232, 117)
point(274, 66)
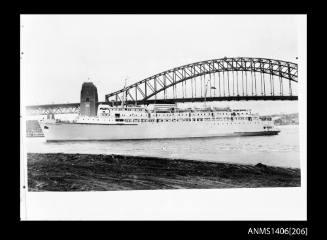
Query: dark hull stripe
point(263, 133)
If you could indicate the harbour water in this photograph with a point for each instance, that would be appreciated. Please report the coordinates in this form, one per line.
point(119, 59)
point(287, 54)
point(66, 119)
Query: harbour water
point(279, 150)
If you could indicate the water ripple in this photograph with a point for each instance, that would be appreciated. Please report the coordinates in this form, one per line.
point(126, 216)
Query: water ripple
point(280, 150)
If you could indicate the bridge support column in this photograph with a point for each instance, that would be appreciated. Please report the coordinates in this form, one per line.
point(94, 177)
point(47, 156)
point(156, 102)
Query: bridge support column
point(89, 100)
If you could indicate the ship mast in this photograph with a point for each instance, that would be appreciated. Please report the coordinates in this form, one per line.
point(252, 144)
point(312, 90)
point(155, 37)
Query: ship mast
point(125, 93)
point(205, 93)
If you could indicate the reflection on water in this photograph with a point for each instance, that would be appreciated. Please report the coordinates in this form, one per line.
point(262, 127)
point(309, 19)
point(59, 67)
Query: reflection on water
point(279, 150)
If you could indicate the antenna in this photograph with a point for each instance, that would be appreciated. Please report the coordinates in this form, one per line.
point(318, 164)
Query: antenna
point(125, 93)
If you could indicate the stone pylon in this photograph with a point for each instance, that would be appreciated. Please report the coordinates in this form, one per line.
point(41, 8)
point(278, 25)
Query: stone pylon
point(89, 99)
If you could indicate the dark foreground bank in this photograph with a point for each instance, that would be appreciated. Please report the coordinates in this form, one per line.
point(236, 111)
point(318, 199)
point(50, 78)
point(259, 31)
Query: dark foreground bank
point(90, 172)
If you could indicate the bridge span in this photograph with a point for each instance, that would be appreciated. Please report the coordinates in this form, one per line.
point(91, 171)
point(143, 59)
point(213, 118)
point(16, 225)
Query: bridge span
point(231, 79)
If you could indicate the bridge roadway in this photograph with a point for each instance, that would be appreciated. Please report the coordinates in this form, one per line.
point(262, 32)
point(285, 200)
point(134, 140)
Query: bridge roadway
point(210, 99)
point(74, 107)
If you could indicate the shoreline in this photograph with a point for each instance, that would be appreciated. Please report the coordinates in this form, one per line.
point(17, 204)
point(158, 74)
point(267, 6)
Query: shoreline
point(99, 172)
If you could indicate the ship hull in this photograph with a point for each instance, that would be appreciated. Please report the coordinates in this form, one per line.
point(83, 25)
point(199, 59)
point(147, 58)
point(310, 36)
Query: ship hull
point(100, 132)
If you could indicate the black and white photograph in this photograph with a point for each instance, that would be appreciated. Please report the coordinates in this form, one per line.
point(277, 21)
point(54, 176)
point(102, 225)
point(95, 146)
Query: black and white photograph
point(181, 114)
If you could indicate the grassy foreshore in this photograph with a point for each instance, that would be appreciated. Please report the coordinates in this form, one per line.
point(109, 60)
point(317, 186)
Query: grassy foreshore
point(90, 172)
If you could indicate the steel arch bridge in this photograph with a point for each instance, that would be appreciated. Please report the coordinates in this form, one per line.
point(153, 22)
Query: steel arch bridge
point(225, 79)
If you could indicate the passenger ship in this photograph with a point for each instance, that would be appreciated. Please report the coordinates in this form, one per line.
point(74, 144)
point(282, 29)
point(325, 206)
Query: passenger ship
point(158, 122)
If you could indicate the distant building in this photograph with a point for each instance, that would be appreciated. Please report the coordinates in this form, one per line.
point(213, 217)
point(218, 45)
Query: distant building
point(286, 119)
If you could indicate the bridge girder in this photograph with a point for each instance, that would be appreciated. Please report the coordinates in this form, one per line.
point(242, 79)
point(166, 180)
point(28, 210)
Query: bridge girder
point(53, 109)
point(211, 99)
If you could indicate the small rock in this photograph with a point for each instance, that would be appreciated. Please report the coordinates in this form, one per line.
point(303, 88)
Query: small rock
point(260, 165)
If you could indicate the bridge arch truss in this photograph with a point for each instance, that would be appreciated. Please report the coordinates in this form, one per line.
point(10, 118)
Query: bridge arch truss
point(240, 78)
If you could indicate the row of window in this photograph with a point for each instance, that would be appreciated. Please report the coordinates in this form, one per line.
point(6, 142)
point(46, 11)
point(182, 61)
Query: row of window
point(179, 114)
point(175, 120)
point(206, 118)
point(164, 115)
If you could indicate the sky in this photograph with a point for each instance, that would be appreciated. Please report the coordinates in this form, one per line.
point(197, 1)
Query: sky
point(60, 52)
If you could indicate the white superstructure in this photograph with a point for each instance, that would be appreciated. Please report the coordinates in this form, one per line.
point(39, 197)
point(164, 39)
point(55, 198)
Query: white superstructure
point(157, 122)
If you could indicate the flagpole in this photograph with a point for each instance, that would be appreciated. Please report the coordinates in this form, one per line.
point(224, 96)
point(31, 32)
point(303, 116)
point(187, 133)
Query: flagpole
point(205, 93)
